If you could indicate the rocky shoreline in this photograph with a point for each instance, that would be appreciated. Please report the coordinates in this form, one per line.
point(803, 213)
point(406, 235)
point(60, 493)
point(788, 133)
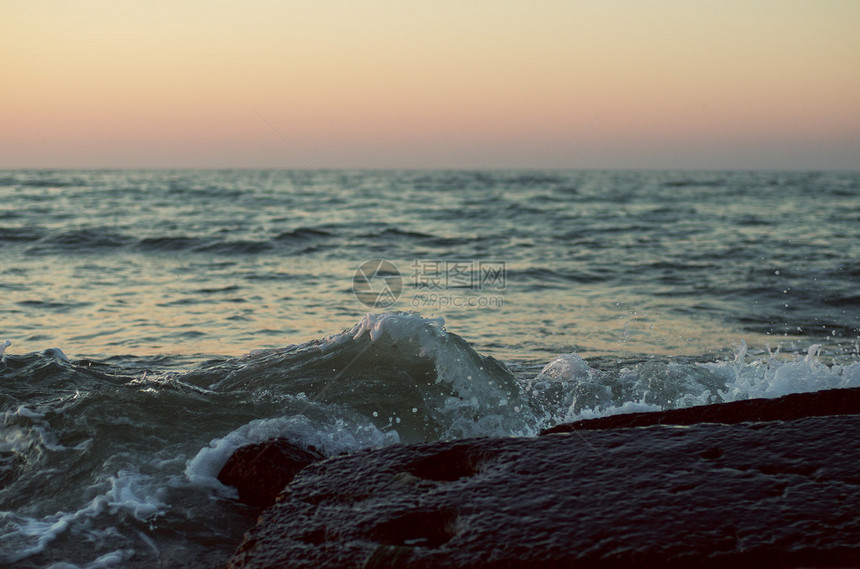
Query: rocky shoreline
point(775, 483)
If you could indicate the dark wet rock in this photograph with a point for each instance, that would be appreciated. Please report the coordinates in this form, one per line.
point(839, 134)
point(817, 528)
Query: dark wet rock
point(260, 471)
point(794, 406)
point(763, 494)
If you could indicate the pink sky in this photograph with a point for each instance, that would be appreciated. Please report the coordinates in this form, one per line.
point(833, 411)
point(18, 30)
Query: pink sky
point(478, 84)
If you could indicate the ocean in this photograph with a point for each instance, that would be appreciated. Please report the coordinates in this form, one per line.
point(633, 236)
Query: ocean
point(158, 320)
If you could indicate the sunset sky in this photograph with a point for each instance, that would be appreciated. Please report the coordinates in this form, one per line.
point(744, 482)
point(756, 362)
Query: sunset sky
point(461, 84)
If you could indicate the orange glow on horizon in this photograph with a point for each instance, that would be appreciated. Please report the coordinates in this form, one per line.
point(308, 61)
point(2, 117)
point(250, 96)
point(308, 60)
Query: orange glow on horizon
point(385, 85)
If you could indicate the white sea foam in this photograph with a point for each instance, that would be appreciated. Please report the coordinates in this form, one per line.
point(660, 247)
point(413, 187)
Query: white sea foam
point(110, 560)
point(127, 492)
point(23, 411)
point(135, 494)
point(775, 378)
point(336, 436)
point(568, 367)
point(397, 325)
point(568, 389)
point(624, 408)
point(25, 430)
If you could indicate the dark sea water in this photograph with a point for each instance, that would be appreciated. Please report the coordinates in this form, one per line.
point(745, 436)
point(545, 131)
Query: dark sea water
point(159, 320)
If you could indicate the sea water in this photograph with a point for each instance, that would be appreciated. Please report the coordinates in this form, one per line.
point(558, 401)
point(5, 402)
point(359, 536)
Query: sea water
point(158, 320)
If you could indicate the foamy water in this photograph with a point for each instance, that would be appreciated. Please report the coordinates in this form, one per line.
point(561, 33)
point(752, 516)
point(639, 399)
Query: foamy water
point(111, 468)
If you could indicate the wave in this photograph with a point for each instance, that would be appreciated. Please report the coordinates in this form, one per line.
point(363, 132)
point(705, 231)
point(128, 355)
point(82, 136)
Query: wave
point(92, 452)
point(98, 239)
point(303, 234)
point(568, 389)
point(398, 377)
point(428, 239)
point(693, 183)
point(21, 234)
point(403, 373)
point(396, 232)
point(41, 179)
point(170, 243)
point(538, 278)
point(239, 247)
point(91, 239)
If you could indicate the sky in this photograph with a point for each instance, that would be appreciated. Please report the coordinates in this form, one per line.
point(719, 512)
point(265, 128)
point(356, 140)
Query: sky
point(659, 84)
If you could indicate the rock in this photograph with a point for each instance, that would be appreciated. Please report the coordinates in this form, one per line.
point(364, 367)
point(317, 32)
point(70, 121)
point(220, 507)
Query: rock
point(788, 407)
point(260, 471)
point(781, 493)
